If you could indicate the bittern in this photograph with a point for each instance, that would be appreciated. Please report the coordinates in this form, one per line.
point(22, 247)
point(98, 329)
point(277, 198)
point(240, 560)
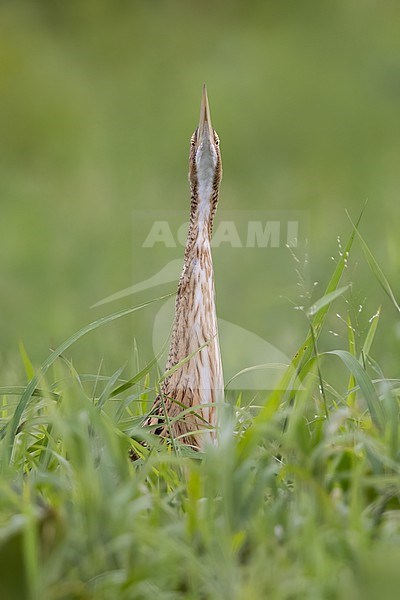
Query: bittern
point(187, 405)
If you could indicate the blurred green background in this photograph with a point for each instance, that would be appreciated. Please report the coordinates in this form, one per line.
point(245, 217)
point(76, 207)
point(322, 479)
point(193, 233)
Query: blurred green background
point(98, 101)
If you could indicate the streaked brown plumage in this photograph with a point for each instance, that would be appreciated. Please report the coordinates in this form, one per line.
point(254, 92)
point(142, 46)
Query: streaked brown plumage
point(197, 384)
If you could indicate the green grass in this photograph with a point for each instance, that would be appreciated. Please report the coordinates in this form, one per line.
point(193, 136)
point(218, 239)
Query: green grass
point(301, 499)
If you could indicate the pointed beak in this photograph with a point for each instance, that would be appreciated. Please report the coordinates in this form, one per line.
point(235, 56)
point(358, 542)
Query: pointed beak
point(205, 131)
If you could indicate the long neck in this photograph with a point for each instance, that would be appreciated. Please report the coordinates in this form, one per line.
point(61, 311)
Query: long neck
point(203, 205)
point(195, 314)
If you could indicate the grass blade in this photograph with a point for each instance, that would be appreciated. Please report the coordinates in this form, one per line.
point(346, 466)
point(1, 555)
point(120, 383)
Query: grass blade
point(139, 376)
point(351, 398)
point(366, 386)
point(326, 300)
point(106, 393)
point(375, 268)
point(369, 338)
point(12, 426)
point(29, 369)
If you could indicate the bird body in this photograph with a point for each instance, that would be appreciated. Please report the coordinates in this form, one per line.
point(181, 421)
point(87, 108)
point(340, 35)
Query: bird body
point(187, 405)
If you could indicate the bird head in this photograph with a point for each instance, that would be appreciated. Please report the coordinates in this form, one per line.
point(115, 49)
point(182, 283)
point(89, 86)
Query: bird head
point(205, 167)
